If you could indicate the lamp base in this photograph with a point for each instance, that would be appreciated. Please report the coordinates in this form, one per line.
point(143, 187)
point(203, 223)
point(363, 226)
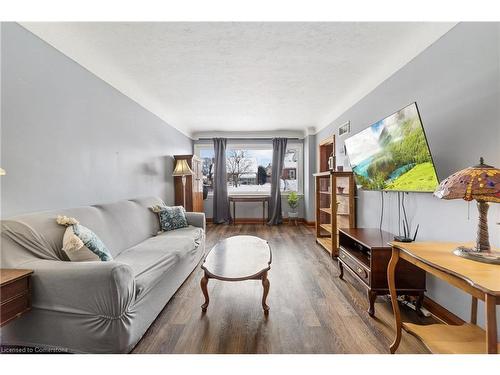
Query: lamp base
point(491, 257)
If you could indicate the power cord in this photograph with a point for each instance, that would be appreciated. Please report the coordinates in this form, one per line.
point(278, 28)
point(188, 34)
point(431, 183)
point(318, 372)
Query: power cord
point(399, 213)
point(406, 226)
point(382, 210)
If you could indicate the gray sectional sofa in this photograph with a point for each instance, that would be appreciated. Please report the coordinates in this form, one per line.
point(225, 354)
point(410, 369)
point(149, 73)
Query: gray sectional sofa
point(98, 307)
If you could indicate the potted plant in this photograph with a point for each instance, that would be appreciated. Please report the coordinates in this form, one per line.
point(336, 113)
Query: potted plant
point(293, 203)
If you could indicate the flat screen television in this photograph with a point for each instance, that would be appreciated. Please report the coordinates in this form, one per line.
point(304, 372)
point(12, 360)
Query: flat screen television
point(393, 154)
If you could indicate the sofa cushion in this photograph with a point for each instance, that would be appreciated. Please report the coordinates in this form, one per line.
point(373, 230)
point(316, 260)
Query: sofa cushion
point(153, 257)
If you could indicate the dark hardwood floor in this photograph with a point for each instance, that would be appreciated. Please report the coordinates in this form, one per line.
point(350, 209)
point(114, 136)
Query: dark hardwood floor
point(312, 310)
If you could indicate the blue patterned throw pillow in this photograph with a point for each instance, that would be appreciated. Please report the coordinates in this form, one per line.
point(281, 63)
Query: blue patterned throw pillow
point(92, 242)
point(80, 244)
point(171, 217)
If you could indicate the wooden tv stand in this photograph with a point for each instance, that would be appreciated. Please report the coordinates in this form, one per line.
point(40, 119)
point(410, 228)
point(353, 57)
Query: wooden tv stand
point(365, 253)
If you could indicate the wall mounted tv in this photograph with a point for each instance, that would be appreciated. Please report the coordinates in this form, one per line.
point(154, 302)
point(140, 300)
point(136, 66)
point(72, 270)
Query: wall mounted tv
point(393, 154)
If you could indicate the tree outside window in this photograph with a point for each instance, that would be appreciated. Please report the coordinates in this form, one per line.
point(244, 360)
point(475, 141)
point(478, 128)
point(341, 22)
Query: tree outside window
point(240, 168)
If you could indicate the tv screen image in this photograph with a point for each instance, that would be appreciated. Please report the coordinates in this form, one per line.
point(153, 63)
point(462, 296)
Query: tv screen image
point(393, 154)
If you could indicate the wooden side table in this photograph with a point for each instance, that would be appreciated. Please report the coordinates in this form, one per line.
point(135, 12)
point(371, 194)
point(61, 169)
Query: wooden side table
point(250, 198)
point(480, 280)
point(15, 293)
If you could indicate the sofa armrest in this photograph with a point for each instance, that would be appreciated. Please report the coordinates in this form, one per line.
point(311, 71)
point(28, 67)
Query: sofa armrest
point(104, 289)
point(196, 219)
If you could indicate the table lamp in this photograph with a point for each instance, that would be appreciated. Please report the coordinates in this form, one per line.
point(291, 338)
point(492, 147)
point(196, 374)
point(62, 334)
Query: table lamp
point(482, 183)
point(2, 172)
point(182, 169)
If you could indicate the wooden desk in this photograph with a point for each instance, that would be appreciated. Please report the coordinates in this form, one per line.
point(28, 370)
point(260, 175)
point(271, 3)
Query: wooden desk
point(15, 293)
point(250, 198)
point(480, 280)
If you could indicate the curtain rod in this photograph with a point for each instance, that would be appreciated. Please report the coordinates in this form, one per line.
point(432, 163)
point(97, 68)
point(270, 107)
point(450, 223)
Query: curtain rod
point(249, 138)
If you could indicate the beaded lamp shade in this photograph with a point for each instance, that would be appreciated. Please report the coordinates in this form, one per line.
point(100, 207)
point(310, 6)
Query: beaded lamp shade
point(481, 183)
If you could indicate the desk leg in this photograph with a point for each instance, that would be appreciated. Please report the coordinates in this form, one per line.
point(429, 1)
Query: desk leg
point(491, 323)
point(473, 310)
point(391, 271)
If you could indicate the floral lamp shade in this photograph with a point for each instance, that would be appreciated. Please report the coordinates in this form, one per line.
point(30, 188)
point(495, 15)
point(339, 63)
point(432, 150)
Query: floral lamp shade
point(481, 183)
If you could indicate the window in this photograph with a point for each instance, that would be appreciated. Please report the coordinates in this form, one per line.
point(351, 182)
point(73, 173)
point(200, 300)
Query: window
point(249, 168)
point(290, 167)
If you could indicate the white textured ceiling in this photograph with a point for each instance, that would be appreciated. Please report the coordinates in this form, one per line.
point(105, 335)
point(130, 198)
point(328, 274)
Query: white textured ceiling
point(203, 77)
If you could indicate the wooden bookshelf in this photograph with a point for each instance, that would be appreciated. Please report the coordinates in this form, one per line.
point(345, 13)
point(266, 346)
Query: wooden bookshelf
point(326, 227)
point(326, 242)
point(343, 212)
point(337, 187)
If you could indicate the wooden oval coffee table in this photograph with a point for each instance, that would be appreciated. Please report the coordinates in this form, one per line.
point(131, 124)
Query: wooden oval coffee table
point(238, 258)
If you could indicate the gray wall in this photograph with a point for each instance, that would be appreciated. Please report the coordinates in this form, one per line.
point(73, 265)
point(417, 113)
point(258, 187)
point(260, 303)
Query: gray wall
point(455, 83)
point(69, 139)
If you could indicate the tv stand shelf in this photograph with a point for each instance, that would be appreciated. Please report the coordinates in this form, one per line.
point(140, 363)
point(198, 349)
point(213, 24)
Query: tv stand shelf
point(365, 253)
point(362, 257)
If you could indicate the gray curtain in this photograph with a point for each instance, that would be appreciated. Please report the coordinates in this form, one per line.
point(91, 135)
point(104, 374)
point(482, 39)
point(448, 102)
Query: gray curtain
point(279, 150)
point(221, 211)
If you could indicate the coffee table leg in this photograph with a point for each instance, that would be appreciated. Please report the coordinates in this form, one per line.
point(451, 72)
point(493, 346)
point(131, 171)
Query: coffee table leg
point(203, 284)
point(265, 284)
